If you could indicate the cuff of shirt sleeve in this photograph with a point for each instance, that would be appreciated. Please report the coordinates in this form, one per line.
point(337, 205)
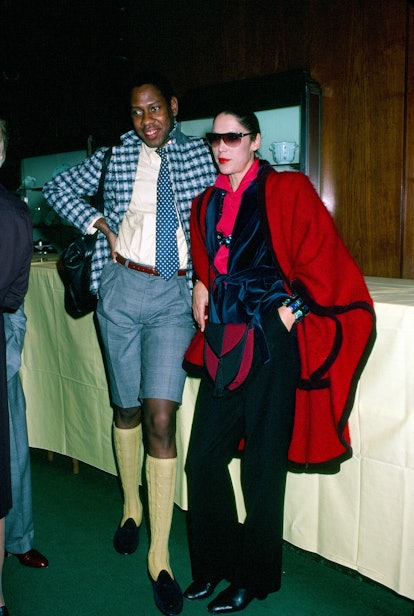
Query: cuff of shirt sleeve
point(91, 229)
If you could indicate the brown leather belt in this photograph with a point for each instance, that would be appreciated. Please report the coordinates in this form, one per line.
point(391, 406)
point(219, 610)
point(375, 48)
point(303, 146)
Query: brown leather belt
point(142, 268)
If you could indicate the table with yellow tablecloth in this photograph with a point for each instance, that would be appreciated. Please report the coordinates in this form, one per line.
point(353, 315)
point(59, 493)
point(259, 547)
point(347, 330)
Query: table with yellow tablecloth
point(361, 517)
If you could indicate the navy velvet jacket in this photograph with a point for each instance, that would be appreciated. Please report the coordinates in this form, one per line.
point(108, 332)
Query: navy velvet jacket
point(337, 336)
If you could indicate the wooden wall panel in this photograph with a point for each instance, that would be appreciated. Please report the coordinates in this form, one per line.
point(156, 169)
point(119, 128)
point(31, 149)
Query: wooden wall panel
point(408, 194)
point(357, 51)
point(360, 51)
point(362, 74)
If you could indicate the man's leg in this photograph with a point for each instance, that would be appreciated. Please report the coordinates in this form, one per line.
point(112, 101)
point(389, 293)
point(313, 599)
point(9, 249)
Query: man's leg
point(19, 531)
point(19, 521)
point(127, 435)
point(159, 418)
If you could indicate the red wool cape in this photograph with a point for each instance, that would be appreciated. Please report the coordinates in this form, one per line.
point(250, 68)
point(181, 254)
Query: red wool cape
point(335, 339)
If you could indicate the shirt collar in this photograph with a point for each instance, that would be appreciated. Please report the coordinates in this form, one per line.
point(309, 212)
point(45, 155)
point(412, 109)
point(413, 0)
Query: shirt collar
point(223, 181)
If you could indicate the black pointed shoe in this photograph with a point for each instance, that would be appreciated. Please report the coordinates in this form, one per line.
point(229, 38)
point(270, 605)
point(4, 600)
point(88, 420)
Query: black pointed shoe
point(167, 594)
point(200, 590)
point(232, 599)
point(4, 611)
point(126, 538)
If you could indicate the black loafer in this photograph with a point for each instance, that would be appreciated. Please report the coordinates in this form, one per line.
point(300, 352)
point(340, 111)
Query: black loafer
point(4, 611)
point(200, 590)
point(167, 594)
point(231, 599)
point(126, 538)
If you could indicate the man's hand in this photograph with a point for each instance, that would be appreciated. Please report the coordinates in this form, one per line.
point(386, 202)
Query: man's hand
point(110, 235)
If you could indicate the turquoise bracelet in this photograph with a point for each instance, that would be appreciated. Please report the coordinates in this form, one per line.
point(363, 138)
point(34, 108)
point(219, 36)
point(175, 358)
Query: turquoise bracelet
point(297, 306)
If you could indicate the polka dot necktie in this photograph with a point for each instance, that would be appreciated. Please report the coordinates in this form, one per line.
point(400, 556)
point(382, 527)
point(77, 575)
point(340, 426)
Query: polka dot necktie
point(166, 251)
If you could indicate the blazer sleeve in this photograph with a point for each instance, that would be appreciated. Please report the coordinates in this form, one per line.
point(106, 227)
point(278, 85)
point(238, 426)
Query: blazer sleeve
point(16, 249)
point(199, 253)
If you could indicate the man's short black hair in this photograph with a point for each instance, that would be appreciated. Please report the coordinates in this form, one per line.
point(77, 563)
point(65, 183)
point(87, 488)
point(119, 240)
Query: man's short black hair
point(156, 79)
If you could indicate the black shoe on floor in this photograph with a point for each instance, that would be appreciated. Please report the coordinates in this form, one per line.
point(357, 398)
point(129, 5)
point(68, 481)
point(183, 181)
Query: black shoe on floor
point(230, 600)
point(126, 538)
point(4, 611)
point(167, 594)
point(200, 590)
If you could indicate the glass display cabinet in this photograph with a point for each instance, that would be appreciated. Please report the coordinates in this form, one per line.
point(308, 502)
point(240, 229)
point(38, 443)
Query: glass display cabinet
point(288, 106)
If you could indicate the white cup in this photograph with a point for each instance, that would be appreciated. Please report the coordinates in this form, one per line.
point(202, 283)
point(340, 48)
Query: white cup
point(283, 151)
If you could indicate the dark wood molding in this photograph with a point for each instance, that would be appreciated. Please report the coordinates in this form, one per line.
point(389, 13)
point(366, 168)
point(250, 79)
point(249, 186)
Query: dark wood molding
point(407, 265)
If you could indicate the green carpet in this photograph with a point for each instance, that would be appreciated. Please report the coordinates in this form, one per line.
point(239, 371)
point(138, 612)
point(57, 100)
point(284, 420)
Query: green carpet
point(75, 518)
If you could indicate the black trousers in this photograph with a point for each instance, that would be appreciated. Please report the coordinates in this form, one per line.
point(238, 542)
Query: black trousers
point(248, 555)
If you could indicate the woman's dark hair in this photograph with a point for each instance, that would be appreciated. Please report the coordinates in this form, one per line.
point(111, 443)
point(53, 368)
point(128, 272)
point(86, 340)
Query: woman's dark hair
point(156, 79)
point(246, 117)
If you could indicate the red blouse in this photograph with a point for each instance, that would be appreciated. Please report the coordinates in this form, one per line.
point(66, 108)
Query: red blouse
point(231, 205)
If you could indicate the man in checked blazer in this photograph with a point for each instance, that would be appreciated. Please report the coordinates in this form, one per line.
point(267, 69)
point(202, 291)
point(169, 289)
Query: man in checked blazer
point(145, 319)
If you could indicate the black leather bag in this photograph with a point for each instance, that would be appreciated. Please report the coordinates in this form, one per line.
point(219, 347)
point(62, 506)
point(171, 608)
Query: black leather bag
point(76, 260)
point(76, 263)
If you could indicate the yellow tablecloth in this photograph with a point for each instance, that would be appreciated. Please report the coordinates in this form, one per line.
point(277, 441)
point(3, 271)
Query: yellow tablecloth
point(361, 518)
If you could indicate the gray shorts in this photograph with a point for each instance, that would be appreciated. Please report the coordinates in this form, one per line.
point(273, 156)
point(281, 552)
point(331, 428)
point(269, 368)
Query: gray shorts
point(146, 325)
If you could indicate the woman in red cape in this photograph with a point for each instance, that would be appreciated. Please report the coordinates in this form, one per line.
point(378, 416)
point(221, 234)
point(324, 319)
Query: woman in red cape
point(266, 252)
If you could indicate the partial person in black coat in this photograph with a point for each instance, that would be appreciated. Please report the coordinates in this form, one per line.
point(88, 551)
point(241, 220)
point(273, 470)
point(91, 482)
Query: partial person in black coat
point(16, 247)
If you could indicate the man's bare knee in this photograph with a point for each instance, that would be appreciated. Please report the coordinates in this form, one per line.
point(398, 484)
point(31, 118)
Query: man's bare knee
point(159, 417)
point(127, 417)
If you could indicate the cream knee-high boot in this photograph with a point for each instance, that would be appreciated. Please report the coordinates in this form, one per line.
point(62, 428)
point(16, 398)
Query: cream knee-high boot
point(161, 474)
point(128, 446)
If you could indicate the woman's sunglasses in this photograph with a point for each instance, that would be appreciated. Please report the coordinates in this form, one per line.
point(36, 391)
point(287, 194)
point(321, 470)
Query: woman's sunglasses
point(231, 139)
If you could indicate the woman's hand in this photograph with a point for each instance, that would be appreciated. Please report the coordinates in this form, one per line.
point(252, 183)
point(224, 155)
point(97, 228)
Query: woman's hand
point(200, 304)
point(287, 317)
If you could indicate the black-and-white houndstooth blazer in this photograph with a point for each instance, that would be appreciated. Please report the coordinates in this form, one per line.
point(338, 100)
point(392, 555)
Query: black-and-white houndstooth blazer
point(191, 170)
